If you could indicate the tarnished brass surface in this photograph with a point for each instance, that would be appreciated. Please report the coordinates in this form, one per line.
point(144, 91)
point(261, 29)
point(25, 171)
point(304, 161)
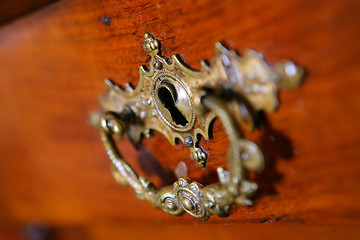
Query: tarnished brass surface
point(181, 103)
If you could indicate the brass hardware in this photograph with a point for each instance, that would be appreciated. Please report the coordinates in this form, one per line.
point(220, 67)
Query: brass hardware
point(181, 103)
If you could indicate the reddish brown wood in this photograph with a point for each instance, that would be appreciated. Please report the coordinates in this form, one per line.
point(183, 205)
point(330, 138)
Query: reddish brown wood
point(12, 9)
point(281, 231)
point(52, 65)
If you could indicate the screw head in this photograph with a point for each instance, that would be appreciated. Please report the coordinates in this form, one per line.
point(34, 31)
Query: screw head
point(158, 65)
point(188, 141)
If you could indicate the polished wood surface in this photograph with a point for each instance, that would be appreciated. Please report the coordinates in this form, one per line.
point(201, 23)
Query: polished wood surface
point(281, 231)
point(52, 65)
point(12, 9)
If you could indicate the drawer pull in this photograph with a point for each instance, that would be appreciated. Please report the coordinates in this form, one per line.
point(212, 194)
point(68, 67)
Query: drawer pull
point(181, 103)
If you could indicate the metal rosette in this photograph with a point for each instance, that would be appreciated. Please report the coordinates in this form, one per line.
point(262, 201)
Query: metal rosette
point(187, 193)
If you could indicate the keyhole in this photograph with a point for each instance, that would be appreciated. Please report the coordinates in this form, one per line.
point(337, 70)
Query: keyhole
point(168, 97)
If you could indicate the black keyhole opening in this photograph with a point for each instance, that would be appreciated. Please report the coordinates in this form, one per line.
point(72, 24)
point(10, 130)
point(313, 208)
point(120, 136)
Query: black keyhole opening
point(168, 101)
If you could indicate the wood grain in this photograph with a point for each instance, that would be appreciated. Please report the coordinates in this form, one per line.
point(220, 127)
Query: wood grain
point(52, 65)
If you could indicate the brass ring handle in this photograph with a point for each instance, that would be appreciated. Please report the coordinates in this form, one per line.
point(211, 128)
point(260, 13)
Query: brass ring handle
point(181, 103)
point(186, 194)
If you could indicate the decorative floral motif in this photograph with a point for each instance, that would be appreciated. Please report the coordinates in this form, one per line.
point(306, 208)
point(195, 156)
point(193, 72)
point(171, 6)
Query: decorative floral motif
point(232, 88)
point(188, 196)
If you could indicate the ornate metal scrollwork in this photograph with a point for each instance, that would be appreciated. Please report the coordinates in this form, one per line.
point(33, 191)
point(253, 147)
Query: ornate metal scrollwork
point(181, 103)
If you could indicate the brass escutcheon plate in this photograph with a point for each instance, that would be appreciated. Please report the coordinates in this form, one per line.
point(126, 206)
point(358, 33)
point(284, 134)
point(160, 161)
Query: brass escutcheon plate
point(181, 103)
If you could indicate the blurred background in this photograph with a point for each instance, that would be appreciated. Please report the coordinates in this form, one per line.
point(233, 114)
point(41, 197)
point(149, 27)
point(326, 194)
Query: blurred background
point(55, 179)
